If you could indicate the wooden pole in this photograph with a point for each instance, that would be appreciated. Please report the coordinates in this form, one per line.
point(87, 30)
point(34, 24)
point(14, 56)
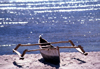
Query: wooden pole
point(71, 43)
point(69, 47)
point(17, 47)
point(43, 43)
point(34, 50)
point(78, 48)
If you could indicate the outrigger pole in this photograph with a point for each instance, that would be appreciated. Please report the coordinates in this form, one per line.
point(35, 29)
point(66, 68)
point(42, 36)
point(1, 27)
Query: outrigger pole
point(79, 47)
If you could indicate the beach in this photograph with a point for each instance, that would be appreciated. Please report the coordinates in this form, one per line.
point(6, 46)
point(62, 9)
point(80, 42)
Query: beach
point(68, 60)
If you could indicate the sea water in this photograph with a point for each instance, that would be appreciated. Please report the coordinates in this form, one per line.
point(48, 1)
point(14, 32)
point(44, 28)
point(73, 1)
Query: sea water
point(21, 22)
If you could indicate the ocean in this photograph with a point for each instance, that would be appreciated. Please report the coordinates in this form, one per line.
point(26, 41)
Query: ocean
point(21, 22)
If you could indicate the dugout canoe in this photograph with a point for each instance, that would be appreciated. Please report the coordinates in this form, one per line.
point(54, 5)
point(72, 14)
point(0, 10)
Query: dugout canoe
point(50, 54)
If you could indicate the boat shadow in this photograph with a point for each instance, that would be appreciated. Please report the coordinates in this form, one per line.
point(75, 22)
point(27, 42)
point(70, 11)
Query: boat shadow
point(80, 61)
point(17, 64)
point(49, 64)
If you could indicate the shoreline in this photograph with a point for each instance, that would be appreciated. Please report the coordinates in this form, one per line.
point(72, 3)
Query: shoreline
point(68, 60)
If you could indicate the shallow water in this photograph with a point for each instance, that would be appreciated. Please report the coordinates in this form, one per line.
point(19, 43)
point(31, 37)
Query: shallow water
point(56, 20)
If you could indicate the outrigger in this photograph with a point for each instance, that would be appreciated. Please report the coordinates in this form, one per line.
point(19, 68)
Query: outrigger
point(49, 53)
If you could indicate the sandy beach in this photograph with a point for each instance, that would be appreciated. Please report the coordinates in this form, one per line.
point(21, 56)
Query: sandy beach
point(68, 60)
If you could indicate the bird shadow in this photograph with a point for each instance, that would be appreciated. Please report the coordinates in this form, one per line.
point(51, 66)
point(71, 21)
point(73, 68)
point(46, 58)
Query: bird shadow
point(49, 64)
point(80, 61)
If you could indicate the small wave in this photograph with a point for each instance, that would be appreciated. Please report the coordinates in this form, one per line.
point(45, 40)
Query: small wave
point(7, 45)
point(70, 10)
point(53, 6)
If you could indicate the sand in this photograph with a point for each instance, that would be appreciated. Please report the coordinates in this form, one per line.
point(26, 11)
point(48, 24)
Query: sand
point(68, 60)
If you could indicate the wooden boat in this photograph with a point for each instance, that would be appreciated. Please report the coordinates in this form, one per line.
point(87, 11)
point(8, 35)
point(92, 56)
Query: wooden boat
point(49, 53)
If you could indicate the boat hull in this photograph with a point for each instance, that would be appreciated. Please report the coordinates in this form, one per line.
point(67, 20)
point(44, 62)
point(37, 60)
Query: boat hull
point(51, 55)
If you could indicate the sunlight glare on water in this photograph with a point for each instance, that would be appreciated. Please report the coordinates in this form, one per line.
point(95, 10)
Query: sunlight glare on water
point(22, 21)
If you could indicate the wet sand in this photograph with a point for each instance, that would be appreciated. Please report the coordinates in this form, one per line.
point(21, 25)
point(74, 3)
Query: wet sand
point(68, 60)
